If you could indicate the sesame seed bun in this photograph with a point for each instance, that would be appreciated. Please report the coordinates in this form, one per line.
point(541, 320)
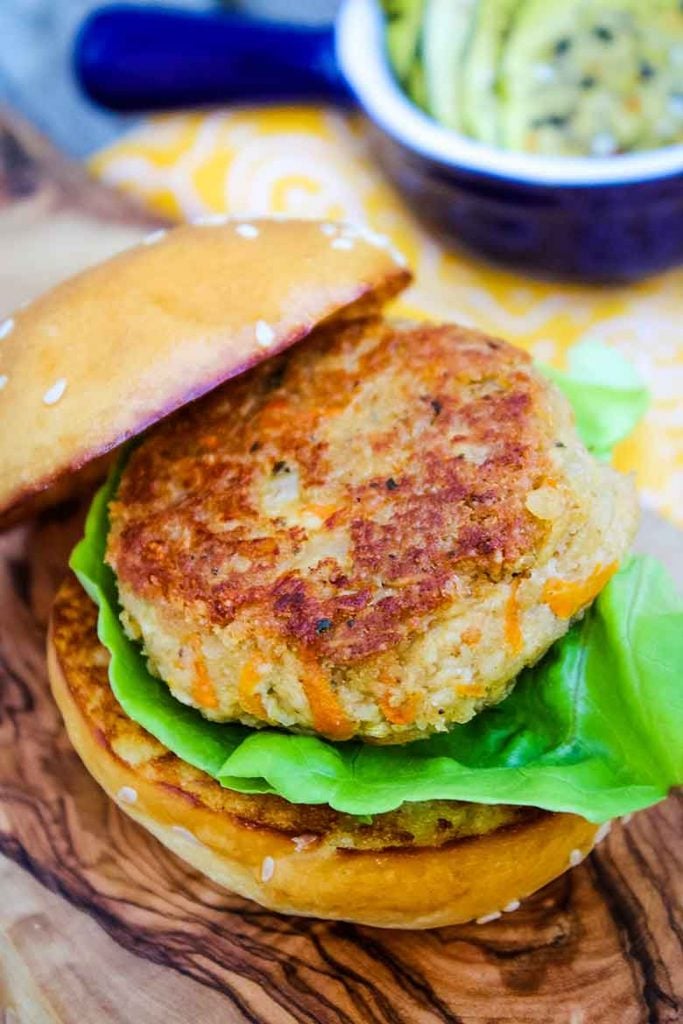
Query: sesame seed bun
point(107, 353)
point(301, 860)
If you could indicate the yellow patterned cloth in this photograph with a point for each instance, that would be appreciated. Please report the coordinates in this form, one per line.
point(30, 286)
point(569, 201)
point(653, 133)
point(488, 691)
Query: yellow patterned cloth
point(316, 163)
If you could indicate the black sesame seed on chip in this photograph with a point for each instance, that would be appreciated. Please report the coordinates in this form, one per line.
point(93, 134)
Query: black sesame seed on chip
point(323, 625)
point(604, 34)
point(551, 121)
point(391, 484)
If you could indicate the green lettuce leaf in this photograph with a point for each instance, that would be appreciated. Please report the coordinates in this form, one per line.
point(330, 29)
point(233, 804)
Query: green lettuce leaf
point(605, 392)
point(595, 728)
point(144, 698)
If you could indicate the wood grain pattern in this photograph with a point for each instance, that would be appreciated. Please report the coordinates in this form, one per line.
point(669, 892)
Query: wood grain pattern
point(46, 978)
point(601, 944)
point(54, 219)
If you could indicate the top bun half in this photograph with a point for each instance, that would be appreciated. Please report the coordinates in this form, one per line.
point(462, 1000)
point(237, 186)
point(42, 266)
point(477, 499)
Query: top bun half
point(113, 350)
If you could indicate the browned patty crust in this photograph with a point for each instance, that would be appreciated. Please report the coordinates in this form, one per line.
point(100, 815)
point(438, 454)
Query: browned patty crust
point(370, 535)
point(421, 514)
point(425, 865)
point(428, 824)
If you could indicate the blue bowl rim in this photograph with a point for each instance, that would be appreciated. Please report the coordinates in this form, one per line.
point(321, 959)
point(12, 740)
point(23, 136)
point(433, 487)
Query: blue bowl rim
point(361, 55)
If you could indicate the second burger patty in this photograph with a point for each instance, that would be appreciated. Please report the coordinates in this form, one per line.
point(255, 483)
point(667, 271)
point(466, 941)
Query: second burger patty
point(370, 535)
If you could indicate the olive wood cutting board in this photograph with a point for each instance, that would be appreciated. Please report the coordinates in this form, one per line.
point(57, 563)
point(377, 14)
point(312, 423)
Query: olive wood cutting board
point(99, 924)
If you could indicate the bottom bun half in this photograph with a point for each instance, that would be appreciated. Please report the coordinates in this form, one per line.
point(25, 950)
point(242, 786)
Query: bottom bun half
point(285, 857)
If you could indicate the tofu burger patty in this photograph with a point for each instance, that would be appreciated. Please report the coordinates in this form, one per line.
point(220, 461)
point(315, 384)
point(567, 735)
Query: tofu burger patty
point(425, 864)
point(367, 536)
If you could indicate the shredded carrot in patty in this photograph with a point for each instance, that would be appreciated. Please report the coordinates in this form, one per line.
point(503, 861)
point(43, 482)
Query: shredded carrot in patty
point(513, 626)
point(327, 713)
point(399, 714)
point(203, 692)
point(321, 511)
point(470, 690)
point(471, 636)
point(251, 701)
point(566, 597)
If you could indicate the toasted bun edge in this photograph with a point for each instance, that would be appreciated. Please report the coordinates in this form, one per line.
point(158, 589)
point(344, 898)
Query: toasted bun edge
point(106, 354)
point(421, 887)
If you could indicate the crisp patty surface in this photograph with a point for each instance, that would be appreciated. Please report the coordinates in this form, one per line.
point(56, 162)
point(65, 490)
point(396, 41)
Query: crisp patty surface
point(369, 535)
point(425, 824)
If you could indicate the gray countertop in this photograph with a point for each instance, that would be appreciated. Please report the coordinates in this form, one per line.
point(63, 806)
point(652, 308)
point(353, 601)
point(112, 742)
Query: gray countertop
point(36, 43)
point(36, 78)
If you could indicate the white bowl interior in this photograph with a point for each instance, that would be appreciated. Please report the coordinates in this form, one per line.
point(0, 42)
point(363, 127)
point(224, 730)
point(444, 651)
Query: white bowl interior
point(361, 56)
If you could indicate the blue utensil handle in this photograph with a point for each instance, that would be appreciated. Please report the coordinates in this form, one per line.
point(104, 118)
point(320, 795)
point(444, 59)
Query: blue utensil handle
point(134, 58)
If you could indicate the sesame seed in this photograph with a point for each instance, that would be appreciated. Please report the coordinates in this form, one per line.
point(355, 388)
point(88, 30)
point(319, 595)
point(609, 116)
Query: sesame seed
point(512, 905)
point(488, 917)
point(304, 841)
point(604, 34)
point(184, 833)
point(5, 327)
point(602, 832)
point(329, 229)
point(127, 795)
point(155, 236)
point(626, 818)
point(551, 121)
point(575, 857)
point(247, 231)
point(398, 256)
point(210, 220)
point(3, 380)
point(374, 238)
point(342, 243)
point(265, 335)
point(267, 869)
point(54, 393)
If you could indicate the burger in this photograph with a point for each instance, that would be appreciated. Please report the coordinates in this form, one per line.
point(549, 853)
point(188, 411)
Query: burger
point(353, 628)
